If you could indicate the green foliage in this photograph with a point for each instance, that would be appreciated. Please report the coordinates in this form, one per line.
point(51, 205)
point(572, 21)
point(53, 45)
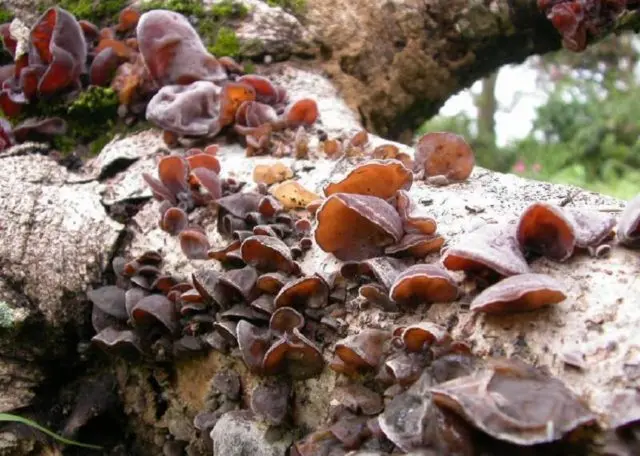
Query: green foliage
point(91, 117)
point(590, 140)
point(293, 6)
point(8, 417)
point(226, 43)
point(5, 15)
point(96, 11)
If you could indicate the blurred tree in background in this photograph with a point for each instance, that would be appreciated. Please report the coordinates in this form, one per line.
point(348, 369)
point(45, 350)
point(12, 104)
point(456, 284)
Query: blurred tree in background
point(586, 133)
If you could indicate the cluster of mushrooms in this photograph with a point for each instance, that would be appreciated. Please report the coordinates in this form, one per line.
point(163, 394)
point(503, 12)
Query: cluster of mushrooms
point(159, 67)
point(576, 20)
point(404, 389)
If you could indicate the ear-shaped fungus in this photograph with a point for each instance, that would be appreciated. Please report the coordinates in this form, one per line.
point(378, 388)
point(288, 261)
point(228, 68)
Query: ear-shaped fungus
point(355, 227)
point(190, 110)
point(381, 178)
point(414, 218)
point(103, 68)
point(254, 343)
point(295, 355)
point(424, 283)
point(125, 343)
point(172, 50)
point(545, 229)
point(268, 254)
point(444, 154)
point(194, 244)
point(57, 44)
point(271, 401)
point(417, 337)
point(301, 113)
point(293, 195)
point(363, 350)
point(154, 309)
point(629, 225)
point(592, 228)
point(307, 292)
point(519, 293)
point(34, 129)
point(490, 249)
point(514, 402)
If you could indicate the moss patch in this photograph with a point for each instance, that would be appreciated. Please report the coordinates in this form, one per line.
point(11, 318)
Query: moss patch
point(5, 15)
point(100, 12)
point(92, 118)
point(226, 43)
point(295, 7)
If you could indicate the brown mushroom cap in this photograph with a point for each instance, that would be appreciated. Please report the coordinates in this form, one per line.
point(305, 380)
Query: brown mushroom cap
point(194, 244)
point(358, 398)
point(414, 218)
point(519, 293)
point(240, 204)
point(286, 319)
point(268, 254)
point(240, 282)
point(383, 269)
point(294, 355)
point(415, 337)
point(254, 343)
point(123, 342)
point(272, 282)
point(381, 178)
point(491, 247)
point(424, 283)
point(545, 229)
point(355, 227)
point(271, 401)
point(154, 309)
point(110, 300)
point(629, 224)
point(363, 350)
point(444, 154)
point(310, 291)
point(405, 368)
point(591, 227)
point(416, 245)
point(514, 402)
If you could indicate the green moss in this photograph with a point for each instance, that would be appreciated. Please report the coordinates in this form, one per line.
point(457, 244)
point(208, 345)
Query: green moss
point(96, 11)
point(5, 15)
point(295, 7)
point(226, 43)
point(91, 117)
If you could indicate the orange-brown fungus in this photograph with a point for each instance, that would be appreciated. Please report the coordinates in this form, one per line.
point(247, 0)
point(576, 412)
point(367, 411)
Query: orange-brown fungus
point(271, 174)
point(491, 249)
point(514, 402)
point(381, 178)
point(311, 292)
point(355, 227)
point(194, 244)
point(416, 245)
point(363, 350)
point(416, 337)
point(414, 217)
point(301, 113)
point(424, 283)
point(268, 254)
point(545, 229)
point(254, 343)
point(519, 293)
point(232, 96)
point(285, 320)
point(444, 154)
point(128, 19)
point(294, 355)
point(293, 195)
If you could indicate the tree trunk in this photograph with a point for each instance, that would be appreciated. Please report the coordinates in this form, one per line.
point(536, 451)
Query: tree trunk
point(394, 63)
point(487, 106)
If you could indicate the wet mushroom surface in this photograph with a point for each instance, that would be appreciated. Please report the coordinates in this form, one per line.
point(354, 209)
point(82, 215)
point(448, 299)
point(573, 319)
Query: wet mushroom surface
point(347, 311)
